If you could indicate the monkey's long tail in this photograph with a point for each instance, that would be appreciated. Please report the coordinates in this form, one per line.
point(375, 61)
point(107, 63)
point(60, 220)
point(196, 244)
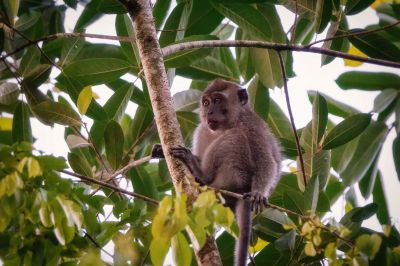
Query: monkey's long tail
point(243, 218)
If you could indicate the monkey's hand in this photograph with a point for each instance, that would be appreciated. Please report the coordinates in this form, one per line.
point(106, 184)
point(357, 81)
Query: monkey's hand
point(191, 162)
point(157, 152)
point(257, 199)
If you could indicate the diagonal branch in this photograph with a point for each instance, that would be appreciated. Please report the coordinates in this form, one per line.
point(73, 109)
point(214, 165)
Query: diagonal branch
point(107, 185)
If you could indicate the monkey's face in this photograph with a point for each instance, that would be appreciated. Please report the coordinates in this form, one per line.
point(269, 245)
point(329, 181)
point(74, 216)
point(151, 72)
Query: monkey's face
point(214, 111)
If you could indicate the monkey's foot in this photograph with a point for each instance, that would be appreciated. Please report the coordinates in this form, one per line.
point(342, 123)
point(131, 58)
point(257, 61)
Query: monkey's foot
point(157, 152)
point(258, 201)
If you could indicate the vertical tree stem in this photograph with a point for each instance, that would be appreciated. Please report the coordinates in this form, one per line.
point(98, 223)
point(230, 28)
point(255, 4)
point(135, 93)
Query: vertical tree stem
point(167, 123)
point(285, 87)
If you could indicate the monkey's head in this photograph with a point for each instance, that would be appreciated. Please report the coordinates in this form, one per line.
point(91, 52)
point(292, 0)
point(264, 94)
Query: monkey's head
point(221, 103)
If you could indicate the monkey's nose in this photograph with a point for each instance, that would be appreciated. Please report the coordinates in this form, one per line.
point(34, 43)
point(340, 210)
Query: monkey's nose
point(210, 112)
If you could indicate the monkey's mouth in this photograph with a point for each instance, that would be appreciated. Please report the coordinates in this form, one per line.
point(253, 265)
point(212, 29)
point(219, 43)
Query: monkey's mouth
point(213, 124)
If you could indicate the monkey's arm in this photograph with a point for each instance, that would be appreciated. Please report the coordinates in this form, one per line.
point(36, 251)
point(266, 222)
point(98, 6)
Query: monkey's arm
point(192, 162)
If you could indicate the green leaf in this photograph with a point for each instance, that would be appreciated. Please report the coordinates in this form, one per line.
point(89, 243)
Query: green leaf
point(27, 20)
point(158, 251)
point(226, 247)
point(140, 127)
point(320, 118)
point(264, 62)
point(363, 213)
point(188, 122)
point(160, 12)
point(259, 98)
point(89, 15)
point(379, 197)
point(116, 105)
point(11, 9)
point(369, 245)
point(334, 107)
point(278, 122)
point(368, 147)
point(187, 100)
point(111, 7)
point(288, 147)
point(367, 182)
point(208, 68)
point(181, 252)
point(74, 141)
point(9, 93)
point(84, 100)
point(368, 80)
point(70, 49)
point(97, 70)
point(124, 28)
point(114, 143)
point(79, 164)
point(246, 17)
point(384, 99)
point(323, 15)
point(30, 60)
point(396, 154)
point(375, 45)
point(36, 76)
point(356, 6)
point(142, 182)
point(44, 214)
point(73, 88)
point(188, 57)
point(176, 21)
point(243, 58)
point(54, 112)
point(203, 19)
point(49, 162)
point(21, 129)
point(287, 241)
point(346, 130)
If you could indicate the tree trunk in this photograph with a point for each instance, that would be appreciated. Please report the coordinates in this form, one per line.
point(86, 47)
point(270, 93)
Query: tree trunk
point(165, 117)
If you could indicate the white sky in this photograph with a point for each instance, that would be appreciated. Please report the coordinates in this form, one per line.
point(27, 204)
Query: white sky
point(310, 76)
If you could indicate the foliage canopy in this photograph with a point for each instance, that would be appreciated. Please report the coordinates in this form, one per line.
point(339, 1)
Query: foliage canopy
point(47, 74)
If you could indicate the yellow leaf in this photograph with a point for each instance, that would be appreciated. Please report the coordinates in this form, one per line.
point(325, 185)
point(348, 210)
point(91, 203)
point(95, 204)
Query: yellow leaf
point(258, 246)
point(33, 168)
point(386, 229)
point(84, 99)
point(6, 123)
point(354, 51)
point(310, 250)
point(375, 4)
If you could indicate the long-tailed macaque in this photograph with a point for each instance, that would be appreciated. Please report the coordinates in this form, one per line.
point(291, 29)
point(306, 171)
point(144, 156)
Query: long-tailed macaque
point(233, 149)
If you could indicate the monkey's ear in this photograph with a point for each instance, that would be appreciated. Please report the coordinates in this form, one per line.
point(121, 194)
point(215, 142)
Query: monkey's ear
point(243, 97)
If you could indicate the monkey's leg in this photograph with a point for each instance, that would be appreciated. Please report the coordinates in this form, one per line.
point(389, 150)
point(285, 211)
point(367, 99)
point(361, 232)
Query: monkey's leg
point(192, 162)
point(243, 218)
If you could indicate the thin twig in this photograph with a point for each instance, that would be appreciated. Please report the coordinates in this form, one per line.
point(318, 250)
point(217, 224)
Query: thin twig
point(296, 137)
point(359, 33)
point(130, 165)
point(114, 188)
point(97, 244)
point(174, 48)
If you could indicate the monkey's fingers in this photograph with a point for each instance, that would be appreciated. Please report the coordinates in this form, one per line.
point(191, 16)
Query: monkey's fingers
point(157, 152)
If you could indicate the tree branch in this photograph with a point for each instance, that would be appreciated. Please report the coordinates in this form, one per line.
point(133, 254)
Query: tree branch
point(107, 185)
point(296, 137)
point(359, 33)
point(171, 49)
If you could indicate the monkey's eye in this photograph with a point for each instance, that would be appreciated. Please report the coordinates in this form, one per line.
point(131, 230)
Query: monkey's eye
point(217, 100)
point(206, 102)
